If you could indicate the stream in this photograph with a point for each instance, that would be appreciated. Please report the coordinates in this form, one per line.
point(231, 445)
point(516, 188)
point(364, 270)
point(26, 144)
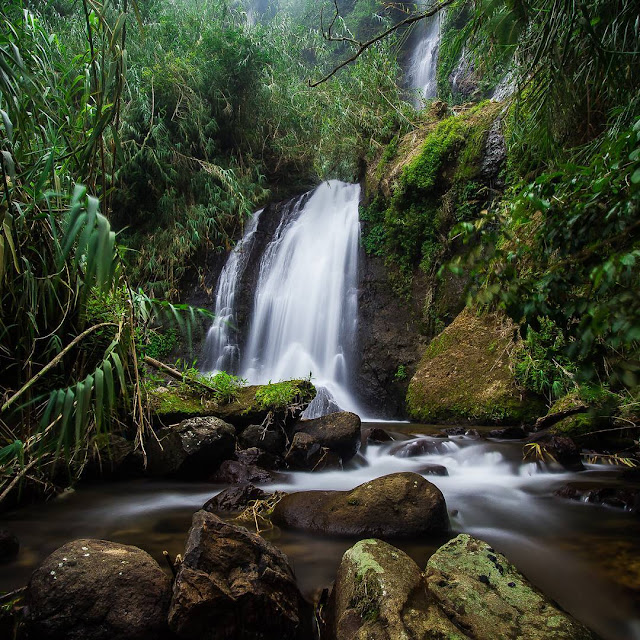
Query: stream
point(573, 551)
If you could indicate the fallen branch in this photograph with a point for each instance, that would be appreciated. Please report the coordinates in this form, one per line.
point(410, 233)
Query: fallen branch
point(553, 418)
point(177, 375)
point(18, 477)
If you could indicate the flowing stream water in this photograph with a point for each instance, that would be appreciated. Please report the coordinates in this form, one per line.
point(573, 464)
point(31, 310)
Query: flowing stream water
point(574, 552)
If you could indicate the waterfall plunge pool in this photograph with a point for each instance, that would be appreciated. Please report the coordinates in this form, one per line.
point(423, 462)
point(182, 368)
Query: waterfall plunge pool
point(579, 554)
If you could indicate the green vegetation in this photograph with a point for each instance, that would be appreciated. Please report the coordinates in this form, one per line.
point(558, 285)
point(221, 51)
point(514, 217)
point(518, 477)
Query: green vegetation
point(280, 395)
point(432, 191)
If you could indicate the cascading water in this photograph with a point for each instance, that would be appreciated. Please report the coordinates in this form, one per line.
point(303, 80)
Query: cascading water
point(221, 352)
point(305, 310)
point(422, 68)
point(304, 315)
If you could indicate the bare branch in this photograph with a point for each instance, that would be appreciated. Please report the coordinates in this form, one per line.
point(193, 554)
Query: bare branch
point(363, 46)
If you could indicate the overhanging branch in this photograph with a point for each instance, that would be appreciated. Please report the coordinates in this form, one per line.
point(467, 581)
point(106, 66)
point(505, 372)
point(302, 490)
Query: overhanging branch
point(363, 46)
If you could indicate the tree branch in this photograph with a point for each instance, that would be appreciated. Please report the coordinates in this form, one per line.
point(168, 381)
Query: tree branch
point(363, 46)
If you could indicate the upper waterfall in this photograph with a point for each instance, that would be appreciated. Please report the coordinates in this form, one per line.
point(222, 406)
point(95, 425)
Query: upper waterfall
point(305, 305)
point(423, 65)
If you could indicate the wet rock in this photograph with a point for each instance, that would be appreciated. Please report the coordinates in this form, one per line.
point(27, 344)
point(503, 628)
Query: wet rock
point(510, 433)
point(376, 435)
point(234, 499)
point(338, 432)
point(379, 594)
point(627, 498)
point(482, 593)
point(433, 470)
point(259, 458)
point(235, 472)
point(397, 505)
point(270, 438)
point(472, 433)
point(99, 590)
point(495, 154)
point(464, 80)
point(454, 431)
point(9, 545)
point(192, 450)
point(563, 449)
point(306, 454)
point(419, 447)
point(234, 585)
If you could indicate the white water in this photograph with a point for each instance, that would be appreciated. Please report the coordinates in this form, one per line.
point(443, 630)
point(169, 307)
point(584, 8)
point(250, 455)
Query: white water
point(221, 352)
point(422, 68)
point(305, 312)
point(305, 309)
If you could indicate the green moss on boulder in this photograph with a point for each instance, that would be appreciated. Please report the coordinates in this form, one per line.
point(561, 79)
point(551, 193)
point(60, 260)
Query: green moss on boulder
point(286, 400)
point(465, 374)
point(480, 591)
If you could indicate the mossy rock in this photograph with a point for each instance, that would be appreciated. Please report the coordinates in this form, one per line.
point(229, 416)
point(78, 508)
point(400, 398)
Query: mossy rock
point(286, 400)
point(480, 591)
point(379, 595)
point(465, 375)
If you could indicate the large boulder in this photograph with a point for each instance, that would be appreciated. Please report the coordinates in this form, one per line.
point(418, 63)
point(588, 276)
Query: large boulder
point(192, 450)
point(99, 590)
point(379, 594)
point(466, 375)
point(394, 506)
point(482, 593)
point(339, 432)
point(233, 585)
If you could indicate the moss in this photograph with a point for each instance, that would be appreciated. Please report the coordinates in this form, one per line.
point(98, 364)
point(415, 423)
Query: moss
point(280, 395)
point(367, 591)
point(178, 402)
point(465, 374)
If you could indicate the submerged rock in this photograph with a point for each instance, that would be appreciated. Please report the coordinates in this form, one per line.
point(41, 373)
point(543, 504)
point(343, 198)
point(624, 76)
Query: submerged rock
point(400, 505)
point(433, 470)
point(484, 595)
point(510, 433)
point(376, 435)
point(192, 450)
point(627, 498)
point(234, 585)
point(379, 594)
point(99, 590)
point(419, 447)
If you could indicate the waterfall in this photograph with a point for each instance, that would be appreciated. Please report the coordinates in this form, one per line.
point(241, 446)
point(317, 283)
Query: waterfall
point(304, 316)
point(423, 65)
point(221, 352)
